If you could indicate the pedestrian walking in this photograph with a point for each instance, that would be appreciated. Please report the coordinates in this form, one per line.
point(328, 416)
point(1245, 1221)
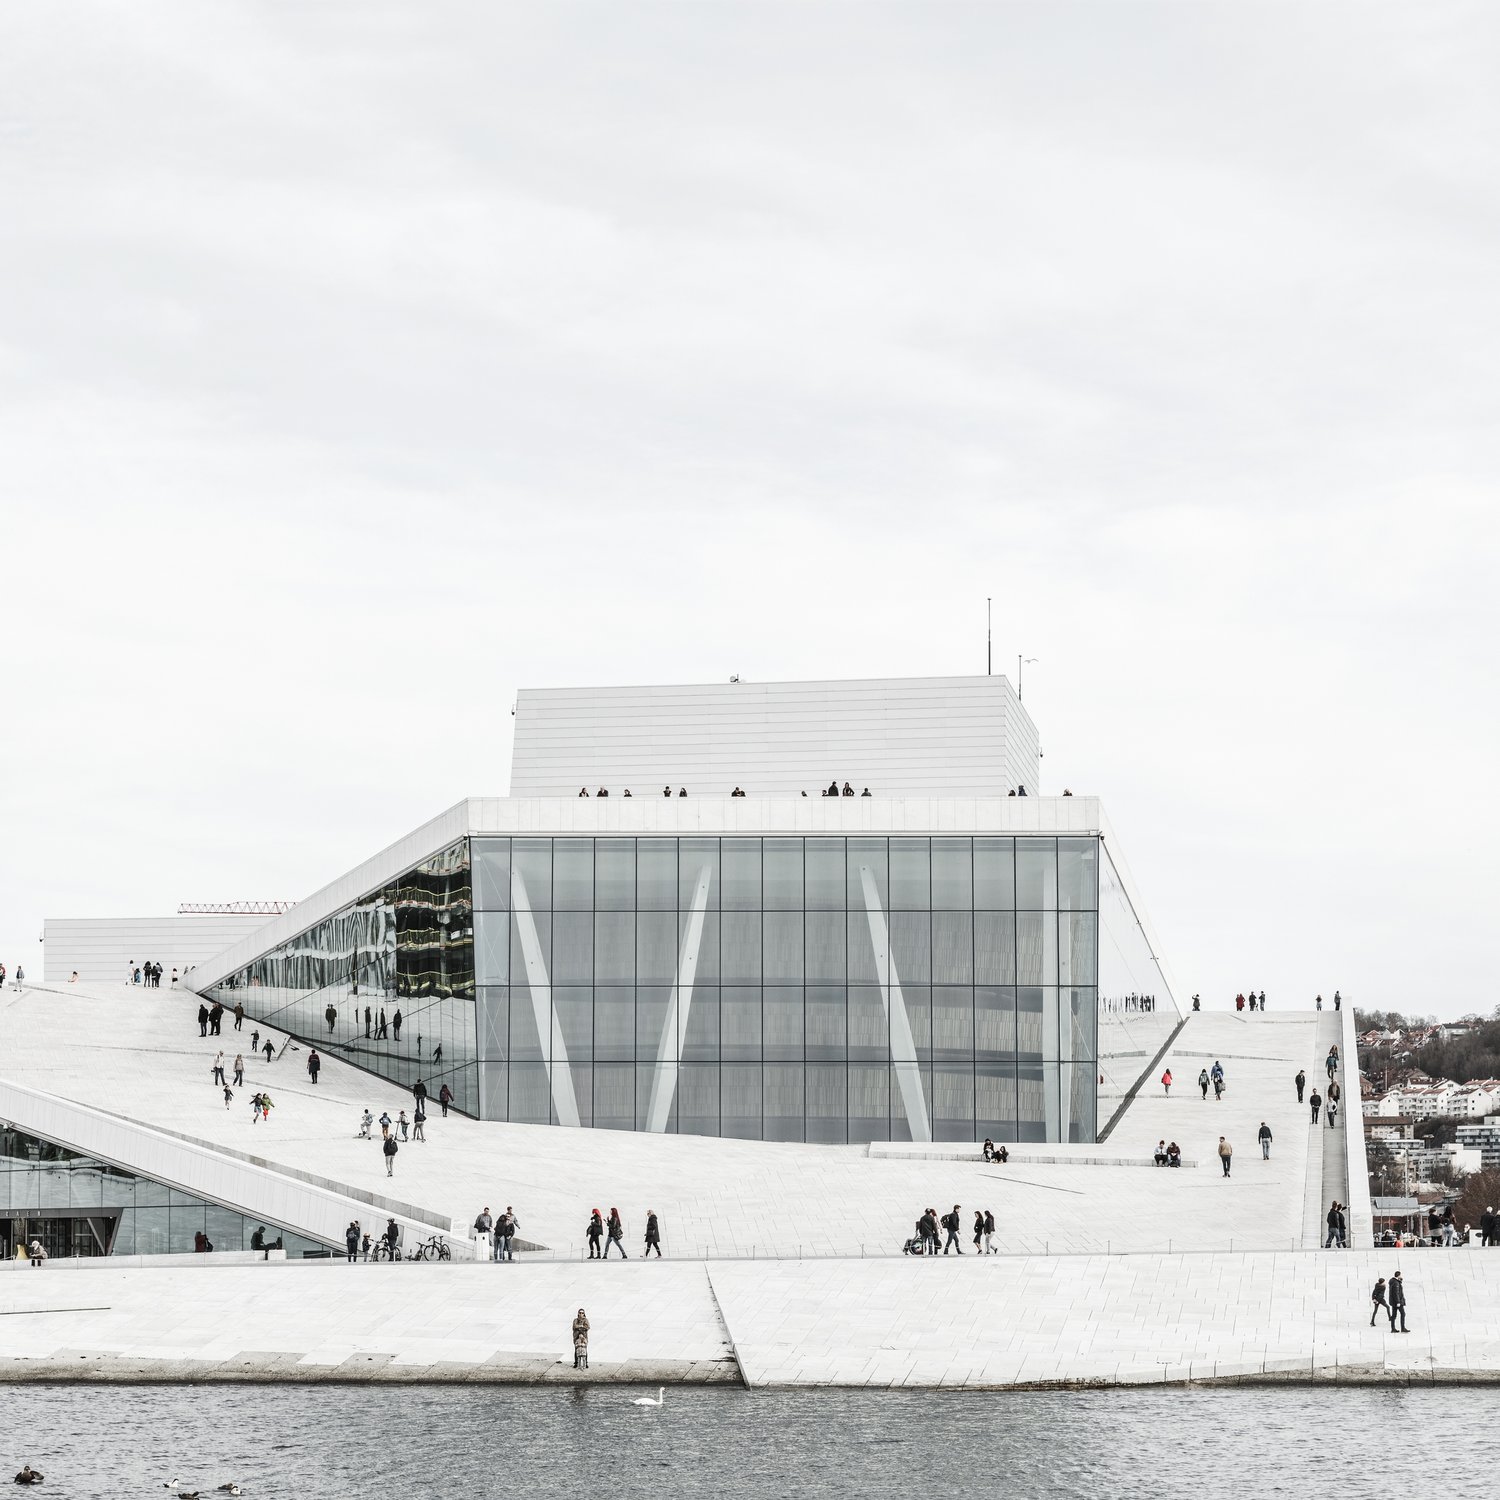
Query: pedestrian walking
point(218, 1069)
point(239, 1071)
point(380, 1031)
point(445, 1098)
point(385, 1124)
point(419, 1124)
point(978, 1232)
point(1332, 1220)
point(403, 1124)
point(396, 1023)
point(314, 1064)
point(615, 1235)
point(1315, 1099)
point(950, 1225)
point(268, 1049)
point(265, 1108)
point(595, 1233)
point(989, 1233)
point(1301, 1081)
point(1396, 1294)
point(367, 1023)
point(254, 1041)
point(228, 1096)
point(1378, 1303)
point(215, 1016)
point(1225, 1152)
point(331, 1015)
point(1203, 1081)
point(239, 1015)
point(653, 1234)
point(419, 1093)
point(1166, 1083)
point(202, 1020)
point(1263, 1135)
point(1218, 1086)
point(1343, 1227)
point(390, 1148)
point(505, 1232)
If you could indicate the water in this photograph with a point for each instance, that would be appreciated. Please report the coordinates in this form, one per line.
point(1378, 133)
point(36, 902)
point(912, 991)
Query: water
point(397, 1442)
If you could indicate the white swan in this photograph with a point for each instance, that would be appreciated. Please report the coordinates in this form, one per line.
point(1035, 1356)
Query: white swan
point(231, 1488)
point(661, 1392)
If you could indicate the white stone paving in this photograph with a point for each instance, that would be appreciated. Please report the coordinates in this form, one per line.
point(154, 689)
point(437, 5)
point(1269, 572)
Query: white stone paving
point(137, 1053)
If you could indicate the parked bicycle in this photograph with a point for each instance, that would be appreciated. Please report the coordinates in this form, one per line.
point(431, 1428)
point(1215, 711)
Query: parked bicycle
point(435, 1248)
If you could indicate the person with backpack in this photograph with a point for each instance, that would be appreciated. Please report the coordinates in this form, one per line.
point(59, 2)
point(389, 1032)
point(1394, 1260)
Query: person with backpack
point(351, 1240)
point(950, 1225)
point(595, 1233)
point(1203, 1081)
point(616, 1235)
point(445, 1098)
point(390, 1148)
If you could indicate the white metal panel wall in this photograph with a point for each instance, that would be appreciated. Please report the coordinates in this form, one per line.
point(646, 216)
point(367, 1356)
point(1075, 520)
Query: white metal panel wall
point(901, 737)
point(101, 948)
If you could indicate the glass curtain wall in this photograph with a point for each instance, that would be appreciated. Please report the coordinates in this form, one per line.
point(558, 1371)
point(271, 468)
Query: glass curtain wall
point(1137, 1014)
point(822, 989)
point(386, 984)
point(77, 1205)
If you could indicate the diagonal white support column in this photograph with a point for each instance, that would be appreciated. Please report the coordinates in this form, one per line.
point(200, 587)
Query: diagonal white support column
point(664, 1085)
point(903, 1047)
point(559, 1075)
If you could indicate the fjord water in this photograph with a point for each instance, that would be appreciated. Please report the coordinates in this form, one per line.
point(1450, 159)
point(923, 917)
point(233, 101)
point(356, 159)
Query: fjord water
point(343, 1442)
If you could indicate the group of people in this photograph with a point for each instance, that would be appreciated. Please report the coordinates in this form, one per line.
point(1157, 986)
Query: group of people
point(832, 790)
point(992, 1152)
point(1167, 1154)
point(1207, 1078)
point(930, 1227)
point(358, 1241)
point(148, 974)
point(611, 1234)
point(20, 978)
point(1240, 1001)
point(499, 1233)
point(1338, 1002)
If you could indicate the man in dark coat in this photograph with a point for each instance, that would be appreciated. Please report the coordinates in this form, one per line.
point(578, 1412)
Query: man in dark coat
point(202, 1020)
point(653, 1233)
point(1378, 1303)
point(1487, 1227)
point(1397, 1294)
point(1316, 1100)
point(1301, 1082)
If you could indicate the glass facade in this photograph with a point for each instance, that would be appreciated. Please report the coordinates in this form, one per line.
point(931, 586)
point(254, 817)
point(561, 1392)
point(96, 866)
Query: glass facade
point(387, 983)
point(77, 1205)
point(835, 989)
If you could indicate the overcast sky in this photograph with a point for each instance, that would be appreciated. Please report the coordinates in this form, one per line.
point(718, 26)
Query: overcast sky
point(361, 363)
